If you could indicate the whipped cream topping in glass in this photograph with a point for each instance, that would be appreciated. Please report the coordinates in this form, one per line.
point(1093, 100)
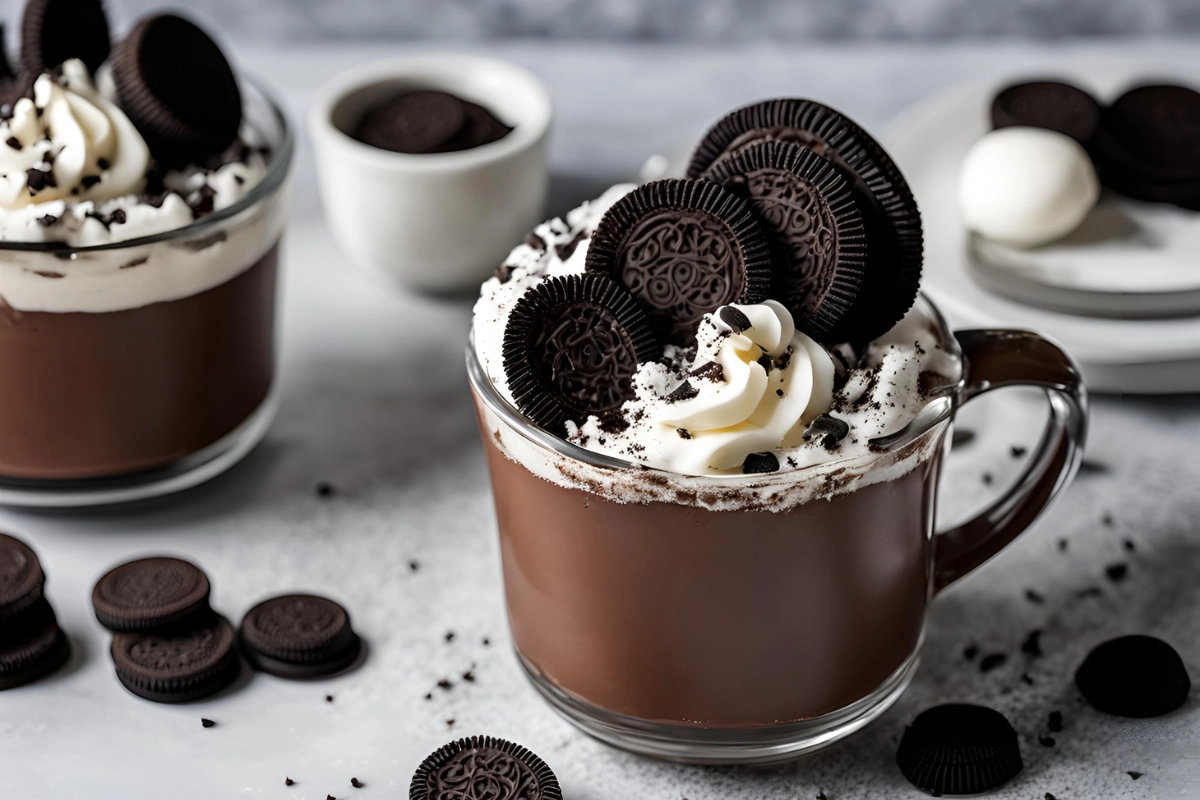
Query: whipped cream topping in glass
point(73, 169)
point(876, 389)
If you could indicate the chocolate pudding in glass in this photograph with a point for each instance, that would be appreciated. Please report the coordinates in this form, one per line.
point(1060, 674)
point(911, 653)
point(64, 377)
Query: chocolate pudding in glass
point(137, 290)
point(721, 550)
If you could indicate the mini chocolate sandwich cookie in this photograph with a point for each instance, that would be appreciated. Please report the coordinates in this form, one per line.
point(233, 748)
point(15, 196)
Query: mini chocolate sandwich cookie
point(178, 665)
point(414, 122)
point(808, 209)
point(21, 578)
point(959, 749)
point(683, 249)
point(1146, 147)
point(1052, 105)
point(150, 593)
point(185, 115)
point(1134, 676)
point(299, 636)
point(572, 346)
point(483, 767)
point(892, 220)
point(53, 31)
point(32, 646)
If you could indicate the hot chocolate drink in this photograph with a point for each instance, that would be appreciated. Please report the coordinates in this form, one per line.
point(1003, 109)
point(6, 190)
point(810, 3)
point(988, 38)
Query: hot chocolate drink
point(140, 217)
point(714, 410)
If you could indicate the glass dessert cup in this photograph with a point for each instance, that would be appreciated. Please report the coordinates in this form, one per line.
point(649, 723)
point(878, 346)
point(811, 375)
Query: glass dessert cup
point(670, 628)
point(143, 367)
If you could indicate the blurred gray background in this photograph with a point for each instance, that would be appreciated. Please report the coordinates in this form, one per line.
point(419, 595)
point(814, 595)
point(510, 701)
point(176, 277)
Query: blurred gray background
point(687, 20)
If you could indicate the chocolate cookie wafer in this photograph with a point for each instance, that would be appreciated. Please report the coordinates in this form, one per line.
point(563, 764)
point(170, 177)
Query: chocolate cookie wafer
point(1052, 105)
point(810, 213)
point(480, 767)
point(891, 217)
point(185, 115)
point(959, 749)
point(572, 346)
point(150, 593)
point(21, 577)
point(179, 665)
point(53, 31)
point(683, 249)
point(299, 636)
point(31, 645)
point(1148, 145)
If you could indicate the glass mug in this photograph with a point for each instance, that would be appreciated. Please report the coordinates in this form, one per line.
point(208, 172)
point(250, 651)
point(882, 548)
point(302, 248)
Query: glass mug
point(751, 636)
point(147, 365)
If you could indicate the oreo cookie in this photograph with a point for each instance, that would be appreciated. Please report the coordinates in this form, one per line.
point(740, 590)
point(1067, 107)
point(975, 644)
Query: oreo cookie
point(413, 122)
point(1146, 146)
point(33, 646)
point(891, 217)
point(1052, 105)
point(21, 577)
point(958, 749)
point(482, 766)
point(53, 31)
point(185, 115)
point(683, 249)
point(299, 636)
point(809, 212)
point(572, 346)
point(150, 593)
point(179, 665)
point(1134, 676)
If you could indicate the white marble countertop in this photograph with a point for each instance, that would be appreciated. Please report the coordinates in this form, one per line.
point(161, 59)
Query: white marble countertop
point(375, 402)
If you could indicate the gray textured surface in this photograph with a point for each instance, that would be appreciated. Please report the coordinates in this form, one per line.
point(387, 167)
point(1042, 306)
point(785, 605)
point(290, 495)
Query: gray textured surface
point(694, 20)
point(375, 401)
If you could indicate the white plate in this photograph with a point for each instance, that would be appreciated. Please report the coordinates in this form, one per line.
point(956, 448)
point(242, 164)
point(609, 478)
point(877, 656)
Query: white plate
point(1116, 355)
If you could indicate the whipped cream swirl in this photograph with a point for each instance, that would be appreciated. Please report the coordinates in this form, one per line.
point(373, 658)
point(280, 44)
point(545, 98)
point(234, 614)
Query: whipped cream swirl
point(69, 143)
point(753, 386)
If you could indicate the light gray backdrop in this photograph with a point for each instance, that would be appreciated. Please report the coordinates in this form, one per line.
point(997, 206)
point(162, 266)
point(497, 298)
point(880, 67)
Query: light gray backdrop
point(696, 20)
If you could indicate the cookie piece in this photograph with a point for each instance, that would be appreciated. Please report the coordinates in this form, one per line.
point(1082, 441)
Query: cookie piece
point(683, 249)
point(482, 766)
point(1053, 105)
point(53, 31)
point(178, 665)
point(572, 346)
point(150, 593)
point(891, 217)
point(413, 122)
point(958, 749)
point(1134, 676)
point(185, 115)
point(299, 636)
point(810, 214)
point(33, 646)
point(21, 578)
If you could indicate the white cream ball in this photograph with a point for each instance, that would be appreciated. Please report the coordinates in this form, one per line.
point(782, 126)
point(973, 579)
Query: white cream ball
point(1026, 186)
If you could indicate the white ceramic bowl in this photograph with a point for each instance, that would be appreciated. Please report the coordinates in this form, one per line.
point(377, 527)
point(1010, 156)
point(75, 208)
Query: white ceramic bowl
point(439, 222)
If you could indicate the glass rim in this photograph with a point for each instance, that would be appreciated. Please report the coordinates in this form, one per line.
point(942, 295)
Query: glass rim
point(945, 398)
point(277, 170)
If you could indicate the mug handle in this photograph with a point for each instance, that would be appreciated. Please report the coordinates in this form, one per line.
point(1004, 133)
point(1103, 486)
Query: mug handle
point(994, 359)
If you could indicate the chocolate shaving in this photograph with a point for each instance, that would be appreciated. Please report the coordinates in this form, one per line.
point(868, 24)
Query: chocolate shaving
point(712, 371)
point(684, 433)
point(565, 251)
point(47, 220)
point(13, 142)
point(685, 391)
point(356, 783)
point(207, 723)
point(992, 661)
point(827, 430)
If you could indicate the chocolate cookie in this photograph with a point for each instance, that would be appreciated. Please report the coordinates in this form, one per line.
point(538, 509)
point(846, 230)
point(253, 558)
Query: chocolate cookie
point(53, 31)
point(683, 249)
point(33, 646)
point(891, 217)
point(480, 127)
point(809, 211)
point(959, 749)
point(1146, 147)
point(185, 115)
point(413, 122)
point(483, 767)
point(21, 577)
point(150, 593)
point(571, 348)
point(179, 665)
point(1134, 676)
point(299, 636)
point(1052, 105)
